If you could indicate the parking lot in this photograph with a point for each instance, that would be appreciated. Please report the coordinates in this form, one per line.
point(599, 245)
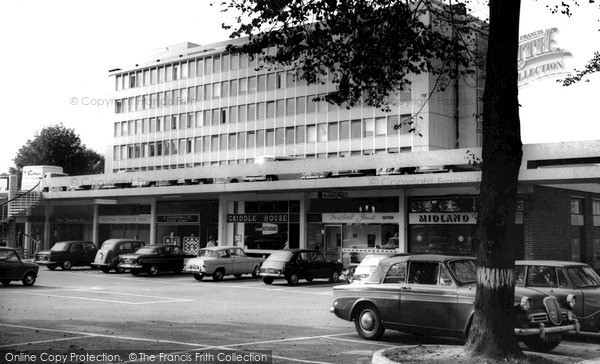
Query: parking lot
point(88, 311)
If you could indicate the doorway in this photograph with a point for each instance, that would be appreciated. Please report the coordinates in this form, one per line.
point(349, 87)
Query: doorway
point(333, 242)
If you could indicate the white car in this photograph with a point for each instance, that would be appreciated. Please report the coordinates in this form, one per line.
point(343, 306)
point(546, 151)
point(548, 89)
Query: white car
point(220, 261)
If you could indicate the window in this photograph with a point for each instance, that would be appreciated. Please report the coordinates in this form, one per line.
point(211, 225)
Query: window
point(242, 113)
point(251, 112)
point(332, 131)
point(261, 83)
point(270, 138)
point(280, 136)
point(223, 116)
point(251, 84)
point(261, 111)
point(396, 273)
point(235, 61)
point(576, 206)
point(344, 130)
point(596, 207)
point(216, 117)
point(322, 104)
point(423, 273)
point(280, 108)
point(232, 141)
point(251, 139)
point(174, 125)
point(271, 82)
point(311, 133)
point(214, 143)
point(243, 86)
point(233, 89)
point(208, 63)
point(206, 118)
point(169, 73)
point(217, 64)
point(271, 109)
point(260, 138)
point(241, 140)
point(176, 72)
point(161, 74)
point(192, 69)
point(300, 134)
point(322, 132)
point(300, 105)
point(233, 114)
point(311, 105)
point(289, 135)
point(116, 129)
point(216, 90)
point(380, 126)
point(197, 144)
point(225, 63)
point(368, 128)
point(200, 67)
point(205, 144)
point(289, 79)
point(280, 82)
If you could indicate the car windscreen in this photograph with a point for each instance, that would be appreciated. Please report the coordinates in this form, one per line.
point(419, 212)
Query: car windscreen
point(59, 247)
point(8, 255)
point(207, 253)
point(583, 277)
point(146, 251)
point(369, 264)
point(107, 246)
point(281, 256)
point(465, 271)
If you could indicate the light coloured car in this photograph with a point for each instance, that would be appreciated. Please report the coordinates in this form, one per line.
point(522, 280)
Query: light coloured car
point(563, 279)
point(107, 257)
point(367, 266)
point(220, 261)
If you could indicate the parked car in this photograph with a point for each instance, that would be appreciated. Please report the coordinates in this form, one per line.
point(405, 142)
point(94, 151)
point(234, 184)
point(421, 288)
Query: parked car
point(220, 261)
point(107, 257)
point(153, 259)
point(295, 264)
point(367, 266)
point(12, 268)
point(562, 279)
point(435, 294)
point(67, 254)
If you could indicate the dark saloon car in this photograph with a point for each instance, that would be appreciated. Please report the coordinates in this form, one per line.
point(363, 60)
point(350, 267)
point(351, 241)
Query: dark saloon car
point(107, 257)
point(562, 279)
point(297, 264)
point(435, 294)
point(67, 254)
point(12, 268)
point(153, 259)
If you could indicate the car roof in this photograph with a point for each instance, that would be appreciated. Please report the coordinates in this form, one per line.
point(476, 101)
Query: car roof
point(378, 275)
point(221, 247)
point(125, 240)
point(7, 248)
point(551, 263)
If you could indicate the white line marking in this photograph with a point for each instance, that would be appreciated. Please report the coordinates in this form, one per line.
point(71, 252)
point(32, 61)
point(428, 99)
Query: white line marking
point(164, 300)
point(284, 340)
point(48, 341)
point(361, 342)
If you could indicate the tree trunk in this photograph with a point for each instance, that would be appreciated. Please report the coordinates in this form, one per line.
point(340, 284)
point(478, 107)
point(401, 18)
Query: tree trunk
point(492, 329)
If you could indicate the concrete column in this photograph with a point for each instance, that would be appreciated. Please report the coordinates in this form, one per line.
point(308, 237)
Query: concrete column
point(222, 236)
point(95, 226)
point(402, 226)
point(47, 232)
point(153, 221)
point(304, 209)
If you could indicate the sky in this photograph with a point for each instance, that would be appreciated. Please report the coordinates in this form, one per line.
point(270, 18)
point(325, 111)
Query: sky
point(57, 55)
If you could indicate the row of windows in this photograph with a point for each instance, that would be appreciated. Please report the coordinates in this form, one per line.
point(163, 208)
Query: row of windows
point(212, 91)
point(241, 113)
point(333, 131)
point(184, 69)
point(141, 150)
point(356, 128)
point(578, 203)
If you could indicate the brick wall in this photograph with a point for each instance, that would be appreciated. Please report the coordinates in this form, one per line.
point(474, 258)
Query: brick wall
point(547, 224)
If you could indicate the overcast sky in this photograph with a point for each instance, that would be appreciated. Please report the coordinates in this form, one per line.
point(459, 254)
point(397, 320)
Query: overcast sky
point(54, 51)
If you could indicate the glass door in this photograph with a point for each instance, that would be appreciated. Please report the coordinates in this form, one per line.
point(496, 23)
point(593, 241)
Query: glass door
point(333, 242)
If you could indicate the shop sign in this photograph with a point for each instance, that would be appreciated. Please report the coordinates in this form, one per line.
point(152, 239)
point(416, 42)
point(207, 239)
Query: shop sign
point(443, 218)
point(539, 55)
point(124, 219)
point(268, 229)
point(69, 220)
point(333, 195)
point(260, 218)
point(178, 219)
point(359, 218)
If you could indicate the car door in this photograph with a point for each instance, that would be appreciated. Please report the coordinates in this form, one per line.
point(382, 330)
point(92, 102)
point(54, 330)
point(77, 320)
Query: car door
point(389, 293)
point(429, 299)
point(241, 263)
point(10, 265)
point(89, 254)
point(321, 268)
point(224, 260)
point(77, 254)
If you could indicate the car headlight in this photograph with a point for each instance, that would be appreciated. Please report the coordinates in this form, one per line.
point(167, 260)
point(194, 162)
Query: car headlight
point(525, 304)
point(570, 315)
point(572, 300)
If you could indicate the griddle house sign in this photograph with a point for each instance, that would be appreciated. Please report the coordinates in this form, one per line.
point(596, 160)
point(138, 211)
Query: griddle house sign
point(539, 56)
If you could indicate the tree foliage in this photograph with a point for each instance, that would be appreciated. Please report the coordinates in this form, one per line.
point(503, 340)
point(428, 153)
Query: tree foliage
point(59, 146)
point(366, 48)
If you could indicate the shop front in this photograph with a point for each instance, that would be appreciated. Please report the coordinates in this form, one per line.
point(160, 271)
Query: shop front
point(265, 224)
point(127, 221)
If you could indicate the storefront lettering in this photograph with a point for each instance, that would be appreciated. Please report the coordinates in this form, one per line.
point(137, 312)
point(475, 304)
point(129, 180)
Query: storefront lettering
point(539, 56)
point(357, 218)
point(257, 218)
point(443, 218)
point(178, 218)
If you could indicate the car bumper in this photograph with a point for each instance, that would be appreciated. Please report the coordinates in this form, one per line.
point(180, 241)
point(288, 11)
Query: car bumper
point(272, 275)
point(542, 330)
point(129, 266)
point(194, 270)
point(45, 262)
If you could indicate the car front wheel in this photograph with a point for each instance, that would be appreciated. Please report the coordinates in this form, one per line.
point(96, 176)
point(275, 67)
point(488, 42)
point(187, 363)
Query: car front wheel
point(537, 344)
point(66, 265)
point(267, 280)
point(335, 277)
point(29, 279)
point(153, 270)
point(105, 269)
point(134, 272)
point(51, 266)
point(368, 324)
point(293, 279)
point(218, 275)
point(198, 276)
